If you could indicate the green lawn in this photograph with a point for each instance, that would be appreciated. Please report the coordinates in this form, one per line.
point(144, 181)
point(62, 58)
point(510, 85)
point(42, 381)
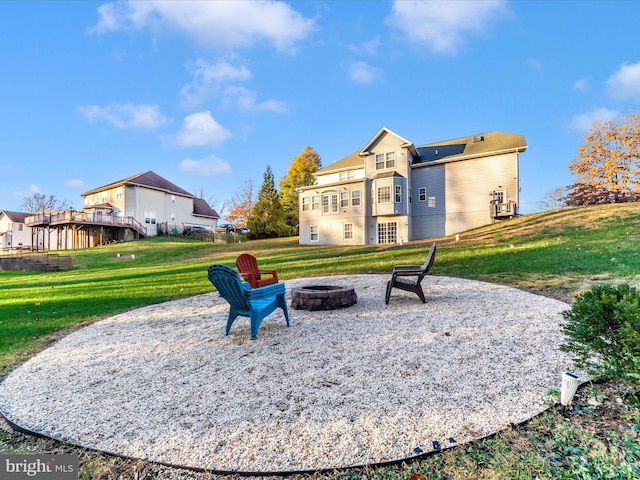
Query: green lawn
point(556, 253)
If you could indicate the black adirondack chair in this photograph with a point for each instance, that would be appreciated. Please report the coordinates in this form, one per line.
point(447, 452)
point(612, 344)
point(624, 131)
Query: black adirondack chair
point(409, 277)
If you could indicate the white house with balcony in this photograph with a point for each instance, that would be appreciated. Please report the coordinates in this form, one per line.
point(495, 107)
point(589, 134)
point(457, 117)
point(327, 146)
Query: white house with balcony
point(391, 190)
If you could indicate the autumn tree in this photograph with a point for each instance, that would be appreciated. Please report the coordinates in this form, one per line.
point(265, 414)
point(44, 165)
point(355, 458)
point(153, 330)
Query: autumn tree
point(241, 205)
point(300, 174)
point(267, 216)
point(607, 168)
point(39, 202)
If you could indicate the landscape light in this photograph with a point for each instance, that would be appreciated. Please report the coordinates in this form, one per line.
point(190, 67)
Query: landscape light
point(570, 384)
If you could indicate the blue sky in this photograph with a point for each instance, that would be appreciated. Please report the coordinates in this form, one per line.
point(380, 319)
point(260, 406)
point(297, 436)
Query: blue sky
point(208, 93)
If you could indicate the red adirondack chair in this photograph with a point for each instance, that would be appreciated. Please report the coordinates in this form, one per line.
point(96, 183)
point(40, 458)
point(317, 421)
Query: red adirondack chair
point(248, 268)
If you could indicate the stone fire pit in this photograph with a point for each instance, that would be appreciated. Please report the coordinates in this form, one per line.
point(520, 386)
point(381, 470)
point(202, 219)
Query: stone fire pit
point(323, 297)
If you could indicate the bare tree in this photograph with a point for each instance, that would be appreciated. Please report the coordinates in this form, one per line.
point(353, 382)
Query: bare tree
point(39, 202)
point(557, 198)
point(241, 205)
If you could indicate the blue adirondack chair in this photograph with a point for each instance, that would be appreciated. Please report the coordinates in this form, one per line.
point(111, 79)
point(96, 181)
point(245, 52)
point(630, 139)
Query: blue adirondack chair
point(244, 301)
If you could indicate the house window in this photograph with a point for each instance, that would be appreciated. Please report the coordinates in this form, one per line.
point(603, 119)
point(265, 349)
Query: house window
point(315, 204)
point(119, 193)
point(153, 218)
point(20, 227)
point(306, 204)
point(313, 233)
point(173, 217)
point(346, 175)
point(147, 217)
point(173, 199)
point(431, 202)
point(344, 199)
point(129, 212)
point(104, 197)
point(499, 196)
point(384, 194)
point(348, 231)
point(330, 203)
point(398, 193)
point(385, 160)
point(387, 232)
point(355, 198)
point(422, 194)
point(409, 195)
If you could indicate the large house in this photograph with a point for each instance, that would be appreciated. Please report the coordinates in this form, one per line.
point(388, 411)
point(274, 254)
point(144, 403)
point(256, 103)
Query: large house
point(391, 190)
point(143, 205)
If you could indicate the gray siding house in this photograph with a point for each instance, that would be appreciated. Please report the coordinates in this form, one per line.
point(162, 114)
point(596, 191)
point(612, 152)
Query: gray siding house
point(392, 191)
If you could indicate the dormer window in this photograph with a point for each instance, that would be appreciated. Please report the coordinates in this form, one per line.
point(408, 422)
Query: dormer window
point(385, 160)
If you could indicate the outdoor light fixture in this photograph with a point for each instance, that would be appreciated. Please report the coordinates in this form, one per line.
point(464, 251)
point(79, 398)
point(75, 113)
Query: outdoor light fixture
point(570, 384)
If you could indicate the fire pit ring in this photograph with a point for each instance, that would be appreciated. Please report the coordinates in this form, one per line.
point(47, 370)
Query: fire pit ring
point(323, 297)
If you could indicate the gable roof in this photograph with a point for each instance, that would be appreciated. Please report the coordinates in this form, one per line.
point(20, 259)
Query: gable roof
point(202, 209)
point(479, 145)
point(17, 217)
point(148, 179)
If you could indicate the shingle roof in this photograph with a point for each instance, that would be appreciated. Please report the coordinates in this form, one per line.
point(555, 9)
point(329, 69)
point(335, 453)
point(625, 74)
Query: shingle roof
point(202, 209)
point(350, 161)
point(471, 146)
point(17, 217)
point(147, 179)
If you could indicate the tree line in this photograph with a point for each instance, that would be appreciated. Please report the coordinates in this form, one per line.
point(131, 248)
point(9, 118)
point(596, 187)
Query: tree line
point(274, 213)
point(607, 168)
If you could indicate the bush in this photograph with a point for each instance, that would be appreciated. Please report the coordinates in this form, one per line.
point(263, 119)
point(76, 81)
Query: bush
point(603, 332)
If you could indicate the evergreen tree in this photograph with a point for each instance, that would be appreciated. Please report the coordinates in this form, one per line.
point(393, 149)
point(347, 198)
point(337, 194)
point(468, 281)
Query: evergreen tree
point(267, 216)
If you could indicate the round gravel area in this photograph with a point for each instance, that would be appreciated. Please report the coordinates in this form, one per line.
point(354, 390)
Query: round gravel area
point(362, 385)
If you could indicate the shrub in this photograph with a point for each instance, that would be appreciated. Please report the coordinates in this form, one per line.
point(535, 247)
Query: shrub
point(603, 332)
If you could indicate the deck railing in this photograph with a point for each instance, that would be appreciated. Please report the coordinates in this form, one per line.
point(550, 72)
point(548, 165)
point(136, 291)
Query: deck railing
point(71, 216)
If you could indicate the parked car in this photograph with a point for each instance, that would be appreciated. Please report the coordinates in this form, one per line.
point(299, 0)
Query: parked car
point(225, 227)
point(194, 230)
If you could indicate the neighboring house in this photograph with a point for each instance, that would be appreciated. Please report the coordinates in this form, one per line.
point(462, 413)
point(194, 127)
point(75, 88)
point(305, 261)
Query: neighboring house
point(392, 191)
point(143, 205)
point(159, 205)
point(13, 232)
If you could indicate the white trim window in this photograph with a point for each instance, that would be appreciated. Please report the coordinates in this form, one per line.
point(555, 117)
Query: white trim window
point(348, 231)
point(119, 193)
point(173, 199)
point(153, 218)
point(315, 202)
point(384, 194)
point(385, 160)
point(422, 194)
point(355, 198)
point(431, 202)
point(398, 196)
point(344, 199)
point(348, 175)
point(306, 204)
point(330, 203)
point(314, 235)
point(147, 217)
point(173, 217)
point(387, 232)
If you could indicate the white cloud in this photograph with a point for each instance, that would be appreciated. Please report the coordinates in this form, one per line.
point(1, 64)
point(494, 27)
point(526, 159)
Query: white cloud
point(212, 24)
point(584, 122)
point(361, 72)
point(582, 85)
point(440, 25)
point(198, 130)
point(74, 183)
point(146, 117)
point(625, 83)
point(369, 48)
point(207, 167)
point(207, 78)
point(246, 99)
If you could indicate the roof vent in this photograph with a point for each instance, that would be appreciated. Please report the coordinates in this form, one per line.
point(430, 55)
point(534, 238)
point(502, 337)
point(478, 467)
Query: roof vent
point(478, 138)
